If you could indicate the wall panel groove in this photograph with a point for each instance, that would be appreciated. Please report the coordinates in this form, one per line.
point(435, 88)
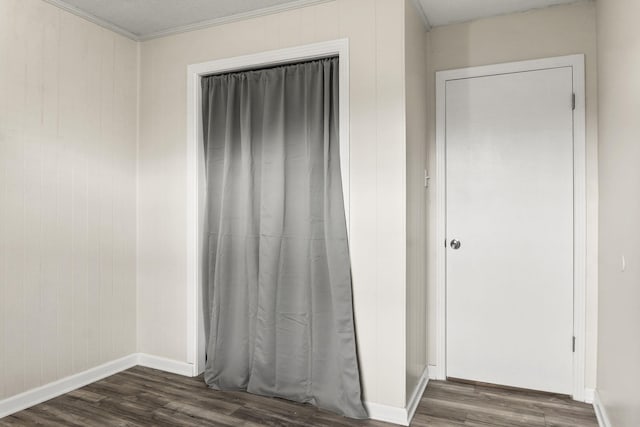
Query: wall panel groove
point(67, 195)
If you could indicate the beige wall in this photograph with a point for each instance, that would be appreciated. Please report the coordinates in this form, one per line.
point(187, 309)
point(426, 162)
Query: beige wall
point(67, 195)
point(619, 136)
point(417, 135)
point(378, 173)
point(554, 31)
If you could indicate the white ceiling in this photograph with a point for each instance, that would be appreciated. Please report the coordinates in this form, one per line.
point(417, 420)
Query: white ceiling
point(443, 12)
point(145, 19)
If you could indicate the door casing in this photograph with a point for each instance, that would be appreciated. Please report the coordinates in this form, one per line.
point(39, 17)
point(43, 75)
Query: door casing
point(576, 62)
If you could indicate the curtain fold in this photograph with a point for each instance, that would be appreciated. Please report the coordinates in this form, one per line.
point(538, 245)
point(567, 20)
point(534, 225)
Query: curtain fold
point(277, 279)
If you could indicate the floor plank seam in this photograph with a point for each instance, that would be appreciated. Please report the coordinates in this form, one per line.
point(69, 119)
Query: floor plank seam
point(143, 396)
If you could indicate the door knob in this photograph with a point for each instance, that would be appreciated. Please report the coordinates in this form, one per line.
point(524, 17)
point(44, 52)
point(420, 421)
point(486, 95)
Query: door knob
point(455, 244)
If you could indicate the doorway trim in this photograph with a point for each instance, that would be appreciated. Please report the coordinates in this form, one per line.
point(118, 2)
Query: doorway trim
point(195, 190)
point(576, 62)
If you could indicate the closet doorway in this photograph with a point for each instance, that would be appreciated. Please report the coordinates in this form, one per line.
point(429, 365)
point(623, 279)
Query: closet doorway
point(195, 191)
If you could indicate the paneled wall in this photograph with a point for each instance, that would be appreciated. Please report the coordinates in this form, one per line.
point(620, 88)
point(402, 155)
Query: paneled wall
point(417, 137)
point(93, 221)
point(67, 195)
point(619, 143)
point(378, 174)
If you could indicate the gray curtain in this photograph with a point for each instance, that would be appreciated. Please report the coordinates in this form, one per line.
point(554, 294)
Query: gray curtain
point(277, 279)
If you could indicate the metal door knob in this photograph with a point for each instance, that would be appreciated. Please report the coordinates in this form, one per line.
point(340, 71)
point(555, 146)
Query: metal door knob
point(455, 244)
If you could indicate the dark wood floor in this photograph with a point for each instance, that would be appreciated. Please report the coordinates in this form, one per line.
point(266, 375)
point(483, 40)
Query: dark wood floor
point(145, 397)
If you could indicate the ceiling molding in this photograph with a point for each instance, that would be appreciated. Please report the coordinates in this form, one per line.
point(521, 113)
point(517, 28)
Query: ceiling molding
point(423, 14)
point(232, 18)
point(297, 4)
point(91, 18)
point(443, 12)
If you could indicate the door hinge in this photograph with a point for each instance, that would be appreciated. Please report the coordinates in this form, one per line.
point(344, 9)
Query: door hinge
point(573, 344)
point(426, 179)
point(573, 101)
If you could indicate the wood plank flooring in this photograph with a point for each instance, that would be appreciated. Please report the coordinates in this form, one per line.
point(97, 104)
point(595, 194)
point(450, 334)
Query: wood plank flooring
point(146, 397)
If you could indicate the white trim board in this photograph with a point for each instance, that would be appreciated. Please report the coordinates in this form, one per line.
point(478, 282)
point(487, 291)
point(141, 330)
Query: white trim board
point(601, 412)
point(232, 18)
point(61, 4)
point(386, 413)
point(48, 391)
point(29, 398)
point(395, 415)
point(164, 364)
point(195, 162)
point(65, 385)
point(423, 15)
point(576, 62)
point(433, 372)
point(589, 395)
point(415, 398)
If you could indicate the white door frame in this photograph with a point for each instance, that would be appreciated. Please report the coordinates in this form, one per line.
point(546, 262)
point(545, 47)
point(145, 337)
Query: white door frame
point(576, 62)
point(195, 163)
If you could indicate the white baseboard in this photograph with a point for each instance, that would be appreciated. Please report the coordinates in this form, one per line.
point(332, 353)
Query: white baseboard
point(40, 394)
point(414, 401)
point(34, 396)
point(164, 364)
point(390, 414)
point(589, 395)
point(387, 414)
point(601, 412)
point(400, 416)
point(434, 373)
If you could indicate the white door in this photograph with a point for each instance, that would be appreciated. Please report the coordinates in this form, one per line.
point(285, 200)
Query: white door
point(509, 203)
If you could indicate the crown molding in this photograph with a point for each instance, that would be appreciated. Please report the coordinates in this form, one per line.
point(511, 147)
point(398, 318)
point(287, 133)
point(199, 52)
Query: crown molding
point(232, 18)
point(92, 18)
point(423, 14)
point(297, 4)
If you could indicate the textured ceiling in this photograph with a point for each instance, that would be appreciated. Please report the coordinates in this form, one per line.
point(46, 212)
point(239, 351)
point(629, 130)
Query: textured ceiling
point(147, 18)
point(143, 19)
point(443, 12)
